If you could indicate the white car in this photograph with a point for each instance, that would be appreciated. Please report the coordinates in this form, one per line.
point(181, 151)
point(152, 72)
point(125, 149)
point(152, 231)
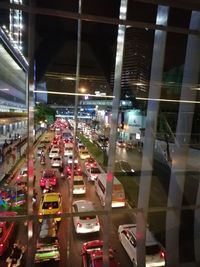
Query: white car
point(155, 255)
point(79, 187)
point(85, 223)
point(56, 161)
point(70, 160)
point(54, 152)
point(68, 151)
point(92, 173)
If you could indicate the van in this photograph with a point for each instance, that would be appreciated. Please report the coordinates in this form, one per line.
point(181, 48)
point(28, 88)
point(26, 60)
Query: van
point(118, 195)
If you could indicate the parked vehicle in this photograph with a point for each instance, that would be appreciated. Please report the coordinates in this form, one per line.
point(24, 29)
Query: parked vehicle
point(118, 195)
point(155, 255)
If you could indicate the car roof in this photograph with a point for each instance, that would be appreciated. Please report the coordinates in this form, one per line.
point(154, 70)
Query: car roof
point(84, 205)
point(49, 171)
point(150, 239)
point(51, 196)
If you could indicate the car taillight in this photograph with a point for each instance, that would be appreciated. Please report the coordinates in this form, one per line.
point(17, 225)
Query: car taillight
point(162, 254)
point(68, 169)
point(1, 245)
point(79, 225)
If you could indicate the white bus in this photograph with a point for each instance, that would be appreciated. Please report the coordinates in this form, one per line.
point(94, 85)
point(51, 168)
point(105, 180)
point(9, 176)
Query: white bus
point(118, 195)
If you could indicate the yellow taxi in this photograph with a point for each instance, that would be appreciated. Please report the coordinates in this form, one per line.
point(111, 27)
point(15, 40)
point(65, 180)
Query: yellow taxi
point(50, 203)
point(84, 154)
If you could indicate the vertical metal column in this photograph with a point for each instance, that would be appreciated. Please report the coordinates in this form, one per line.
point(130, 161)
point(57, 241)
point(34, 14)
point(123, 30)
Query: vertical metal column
point(150, 133)
point(71, 182)
point(114, 125)
point(183, 134)
point(30, 163)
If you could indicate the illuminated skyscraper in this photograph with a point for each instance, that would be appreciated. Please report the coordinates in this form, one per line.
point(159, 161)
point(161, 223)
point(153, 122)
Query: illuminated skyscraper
point(15, 26)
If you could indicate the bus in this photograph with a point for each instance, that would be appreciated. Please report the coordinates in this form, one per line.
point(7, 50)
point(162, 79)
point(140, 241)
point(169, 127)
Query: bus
point(118, 195)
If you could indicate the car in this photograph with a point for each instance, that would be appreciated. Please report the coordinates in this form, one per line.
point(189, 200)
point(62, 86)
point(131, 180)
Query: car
point(155, 255)
point(23, 175)
point(54, 152)
point(79, 187)
point(92, 173)
point(121, 143)
point(92, 255)
point(6, 231)
point(90, 162)
point(55, 141)
point(50, 203)
point(81, 147)
point(45, 140)
point(123, 166)
point(68, 169)
point(84, 224)
point(41, 148)
point(68, 151)
point(71, 158)
point(84, 154)
point(48, 177)
point(56, 161)
point(47, 246)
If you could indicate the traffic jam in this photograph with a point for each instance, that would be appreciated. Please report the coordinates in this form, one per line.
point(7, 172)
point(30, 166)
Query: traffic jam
point(69, 180)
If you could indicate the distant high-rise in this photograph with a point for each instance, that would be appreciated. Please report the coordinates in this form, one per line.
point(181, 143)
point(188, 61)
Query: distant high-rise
point(15, 25)
point(136, 64)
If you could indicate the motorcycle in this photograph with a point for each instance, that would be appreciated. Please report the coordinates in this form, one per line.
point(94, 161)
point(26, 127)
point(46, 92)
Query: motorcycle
point(15, 258)
point(42, 160)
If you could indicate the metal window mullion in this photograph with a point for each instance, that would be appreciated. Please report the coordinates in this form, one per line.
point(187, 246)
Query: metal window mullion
point(71, 182)
point(113, 132)
point(181, 151)
point(150, 132)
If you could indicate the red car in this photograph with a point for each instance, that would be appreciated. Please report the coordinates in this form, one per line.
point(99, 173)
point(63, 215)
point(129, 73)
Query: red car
point(92, 255)
point(68, 169)
point(6, 231)
point(48, 177)
point(91, 162)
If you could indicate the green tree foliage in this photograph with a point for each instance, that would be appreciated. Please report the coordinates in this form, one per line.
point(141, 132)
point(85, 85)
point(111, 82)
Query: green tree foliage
point(43, 112)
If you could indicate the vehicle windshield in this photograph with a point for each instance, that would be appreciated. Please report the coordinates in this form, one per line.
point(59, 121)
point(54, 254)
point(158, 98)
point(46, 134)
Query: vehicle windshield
point(153, 249)
point(56, 159)
point(87, 218)
point(50, 205)
point(78, 182)
point(95, 170)
point(48, 175)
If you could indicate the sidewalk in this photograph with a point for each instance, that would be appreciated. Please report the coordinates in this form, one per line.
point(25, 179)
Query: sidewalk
point(12, 153)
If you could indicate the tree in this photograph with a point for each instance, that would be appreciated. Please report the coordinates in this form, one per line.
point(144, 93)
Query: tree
point(43, 113)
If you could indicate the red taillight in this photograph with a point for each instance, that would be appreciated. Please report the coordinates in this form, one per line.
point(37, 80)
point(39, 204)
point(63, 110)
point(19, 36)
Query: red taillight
point(1, 245)
point(79, 225)
point(68, 169)
point(162, 254)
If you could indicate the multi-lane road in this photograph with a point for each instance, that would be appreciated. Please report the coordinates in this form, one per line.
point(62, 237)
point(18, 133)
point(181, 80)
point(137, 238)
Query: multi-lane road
point(70, 242)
